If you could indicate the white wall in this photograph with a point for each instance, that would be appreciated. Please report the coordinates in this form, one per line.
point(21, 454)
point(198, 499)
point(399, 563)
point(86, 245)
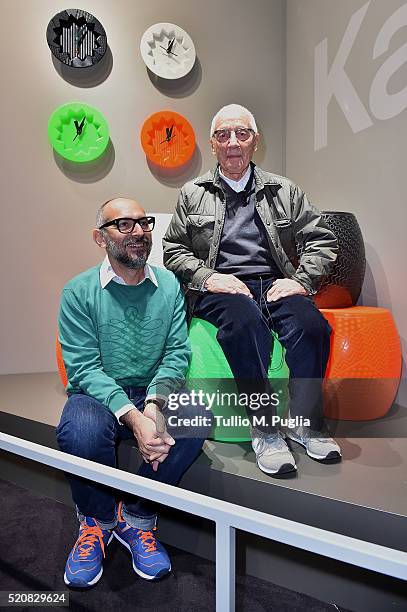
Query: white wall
point(47, 215)
point(361, 169)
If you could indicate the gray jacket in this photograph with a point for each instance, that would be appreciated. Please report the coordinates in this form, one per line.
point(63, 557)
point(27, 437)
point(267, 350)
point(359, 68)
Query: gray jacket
point(300, 243)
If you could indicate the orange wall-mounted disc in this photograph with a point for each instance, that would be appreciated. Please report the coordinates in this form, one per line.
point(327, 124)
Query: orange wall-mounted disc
point(168, 139)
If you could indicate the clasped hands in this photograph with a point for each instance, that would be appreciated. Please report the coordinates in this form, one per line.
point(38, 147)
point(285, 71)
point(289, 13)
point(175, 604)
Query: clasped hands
point(150, 431)
point(228, 283)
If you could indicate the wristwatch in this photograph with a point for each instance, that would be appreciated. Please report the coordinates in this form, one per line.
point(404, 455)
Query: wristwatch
point(152, 401)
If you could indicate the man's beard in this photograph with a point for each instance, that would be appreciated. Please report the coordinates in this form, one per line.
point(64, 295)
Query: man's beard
point(118, 252)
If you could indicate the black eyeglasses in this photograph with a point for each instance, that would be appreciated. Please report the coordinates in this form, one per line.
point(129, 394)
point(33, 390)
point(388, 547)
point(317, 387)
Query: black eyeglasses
point(242, 134)
point(126, 225)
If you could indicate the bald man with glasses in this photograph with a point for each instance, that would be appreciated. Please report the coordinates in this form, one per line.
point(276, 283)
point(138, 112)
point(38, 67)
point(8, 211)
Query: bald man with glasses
point(123, 333)
point(233, 243)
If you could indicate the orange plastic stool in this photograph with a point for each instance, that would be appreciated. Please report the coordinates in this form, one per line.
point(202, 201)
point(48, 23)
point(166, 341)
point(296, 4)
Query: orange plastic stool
point(60, 364)
point(364, 366)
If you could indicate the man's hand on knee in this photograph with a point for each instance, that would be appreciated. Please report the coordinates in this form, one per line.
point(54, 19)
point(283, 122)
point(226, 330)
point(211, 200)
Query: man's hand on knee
point(150, 443)
point(161, 445)
point(226, 283)
point(283, 287)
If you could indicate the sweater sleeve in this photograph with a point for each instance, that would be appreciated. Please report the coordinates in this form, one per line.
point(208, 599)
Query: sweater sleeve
point(81, 354)
point(170, 374)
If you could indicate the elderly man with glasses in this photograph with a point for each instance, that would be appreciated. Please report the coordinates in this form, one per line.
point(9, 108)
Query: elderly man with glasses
point(233, 242)
point(123, 333)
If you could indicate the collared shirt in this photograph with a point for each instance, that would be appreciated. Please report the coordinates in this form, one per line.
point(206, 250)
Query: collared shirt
point(107, 274)
point(237, 185)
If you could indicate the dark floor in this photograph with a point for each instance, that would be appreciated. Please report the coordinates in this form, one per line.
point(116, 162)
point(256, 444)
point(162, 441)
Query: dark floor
point(37, 533)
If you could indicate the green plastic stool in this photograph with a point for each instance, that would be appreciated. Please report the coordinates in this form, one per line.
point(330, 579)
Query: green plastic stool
point(209, 370)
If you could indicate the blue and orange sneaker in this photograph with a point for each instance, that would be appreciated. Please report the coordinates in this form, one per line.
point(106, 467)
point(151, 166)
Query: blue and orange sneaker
point(150, 559)
point(84, 565)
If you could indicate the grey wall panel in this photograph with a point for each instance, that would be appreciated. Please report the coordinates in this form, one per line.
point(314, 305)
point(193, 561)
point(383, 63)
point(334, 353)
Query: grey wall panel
point(347, 127)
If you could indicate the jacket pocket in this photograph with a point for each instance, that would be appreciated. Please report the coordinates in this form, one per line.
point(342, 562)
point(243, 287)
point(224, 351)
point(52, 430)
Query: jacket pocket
point(201, 221)
point(201, 231)
point(284, 227)
point(283, 223)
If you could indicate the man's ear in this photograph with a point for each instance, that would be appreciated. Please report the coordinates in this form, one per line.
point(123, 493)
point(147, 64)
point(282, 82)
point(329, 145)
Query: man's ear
point(98, 238)
point(212, 146)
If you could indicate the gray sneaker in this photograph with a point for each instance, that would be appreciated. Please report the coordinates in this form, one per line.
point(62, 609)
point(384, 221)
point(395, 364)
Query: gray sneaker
point(272, 453)
point(317, 444)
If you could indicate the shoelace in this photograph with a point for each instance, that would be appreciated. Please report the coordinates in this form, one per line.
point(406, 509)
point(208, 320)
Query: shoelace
point(148, 540)
point(278, 444)
point(88, 537)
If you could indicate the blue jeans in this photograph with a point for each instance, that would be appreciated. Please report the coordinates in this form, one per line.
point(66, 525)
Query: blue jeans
point(89, 430)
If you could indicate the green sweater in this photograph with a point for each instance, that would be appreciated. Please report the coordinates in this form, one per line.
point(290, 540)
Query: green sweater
point(123, 335)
